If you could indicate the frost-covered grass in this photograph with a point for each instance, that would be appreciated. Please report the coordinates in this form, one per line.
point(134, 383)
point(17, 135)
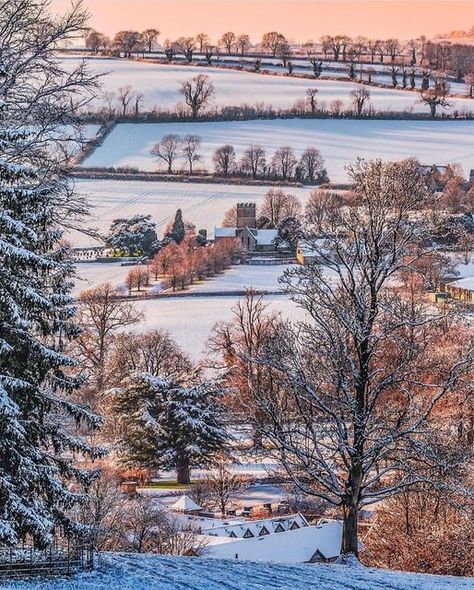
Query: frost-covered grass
point(239, 278)
point(159, 84)
point(91, 274)
point(340, 141)
point(152, 572)
point(202, 204)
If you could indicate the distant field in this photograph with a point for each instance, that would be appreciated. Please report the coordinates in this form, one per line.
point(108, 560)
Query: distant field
point(340, 141)
point(159, 85)
point(202, 204)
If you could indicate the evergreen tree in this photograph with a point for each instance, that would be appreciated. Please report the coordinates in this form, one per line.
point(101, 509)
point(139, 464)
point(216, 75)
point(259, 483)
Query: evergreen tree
point(39, 482)
point(178, 230)
point(168, 425)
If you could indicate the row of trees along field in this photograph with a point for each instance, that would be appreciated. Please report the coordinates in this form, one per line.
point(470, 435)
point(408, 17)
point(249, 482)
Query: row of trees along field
point(446, 55)
point(283, 165)
point(368, 401)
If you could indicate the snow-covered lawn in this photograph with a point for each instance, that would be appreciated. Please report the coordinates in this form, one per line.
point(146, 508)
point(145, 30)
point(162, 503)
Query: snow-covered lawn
point(159, 84)
point(191, 320)
point(202, 204)
point(153, 572)
point(340, 141)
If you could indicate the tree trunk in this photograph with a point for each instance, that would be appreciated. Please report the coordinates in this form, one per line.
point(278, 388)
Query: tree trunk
point(183, 474)
point(350, 534)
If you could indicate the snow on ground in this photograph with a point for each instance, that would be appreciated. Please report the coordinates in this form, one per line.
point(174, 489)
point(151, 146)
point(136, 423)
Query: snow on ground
point(244, 276)
point(202, 204)
point(191, 320)
point(153, 572)
point(92, 274)
point(340, 141)
point(159, 84)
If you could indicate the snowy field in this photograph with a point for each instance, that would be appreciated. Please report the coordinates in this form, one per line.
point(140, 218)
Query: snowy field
point(340, 141)
point(238, 278)
point(92, 274)
point(159, 84)
point(153, 572)
point(191, 320)
point(202, 204)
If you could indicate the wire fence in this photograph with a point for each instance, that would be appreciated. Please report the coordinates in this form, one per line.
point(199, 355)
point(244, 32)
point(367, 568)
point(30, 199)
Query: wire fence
point(58, 559)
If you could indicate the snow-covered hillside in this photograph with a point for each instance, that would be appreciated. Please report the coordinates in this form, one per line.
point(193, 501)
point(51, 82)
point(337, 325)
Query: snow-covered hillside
point(159, 84)
point(340, 141)
point(202, 204)
point(148, 572)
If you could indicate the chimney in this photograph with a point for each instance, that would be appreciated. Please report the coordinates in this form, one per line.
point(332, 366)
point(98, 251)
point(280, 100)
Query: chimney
point(246, 215)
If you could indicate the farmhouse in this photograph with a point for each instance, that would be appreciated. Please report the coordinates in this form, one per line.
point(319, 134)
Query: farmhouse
point(253, 239)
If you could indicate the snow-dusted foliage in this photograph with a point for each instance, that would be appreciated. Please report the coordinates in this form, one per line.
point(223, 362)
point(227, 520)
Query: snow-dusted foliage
point(136, 235)
point(167, 424)
point(36, 312)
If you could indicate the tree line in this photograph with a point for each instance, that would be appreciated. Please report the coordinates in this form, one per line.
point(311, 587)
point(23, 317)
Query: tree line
point(283, 165)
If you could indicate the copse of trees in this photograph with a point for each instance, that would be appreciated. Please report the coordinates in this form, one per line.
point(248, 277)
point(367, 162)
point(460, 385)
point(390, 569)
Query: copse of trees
point(134, 236)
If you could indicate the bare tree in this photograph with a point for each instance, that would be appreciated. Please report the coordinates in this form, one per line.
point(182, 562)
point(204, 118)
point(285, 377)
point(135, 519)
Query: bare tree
point(227, 41)
point(359, 97)
point(191, 144)
point(311, 96)
point(125, 97)
point(143, 520)
point(153, 352)
point(202, 39)
point(253, 161)
point(127, 42)
point(138, 99)
point(137, 278)
point(197, 93)
point(102, 314)
point(243, 43)
point(321, 206)
point(96, 41)
point(436, 97)
point(361, 375)
point(311, 165)
point(223, 484)
point(272, 41)
point(186, 46)
point(209, 51)
point(167, 150)
point(224, 160)
point(277, 205)
point(284, 162)
point(149, 38)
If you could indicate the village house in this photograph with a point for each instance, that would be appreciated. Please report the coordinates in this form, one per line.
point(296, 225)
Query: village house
point(461, 290)
point(253, 239)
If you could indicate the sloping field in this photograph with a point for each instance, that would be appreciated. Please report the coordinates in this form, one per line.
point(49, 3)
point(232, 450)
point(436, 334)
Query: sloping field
point(152, 572)
point(340, 141)
point(159, 84)
point(202, 204)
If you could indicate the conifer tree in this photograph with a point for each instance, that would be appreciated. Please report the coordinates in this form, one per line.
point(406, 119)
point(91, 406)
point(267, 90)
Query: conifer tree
point(39, 482)
point(169, 425)
point(178, 230)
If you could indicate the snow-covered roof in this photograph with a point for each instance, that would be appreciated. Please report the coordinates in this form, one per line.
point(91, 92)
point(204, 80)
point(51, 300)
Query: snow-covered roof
point(184, 504)
point(258, 528)
point(466, 283)
point(225, 232)
point(266, 237)
point(293, 546)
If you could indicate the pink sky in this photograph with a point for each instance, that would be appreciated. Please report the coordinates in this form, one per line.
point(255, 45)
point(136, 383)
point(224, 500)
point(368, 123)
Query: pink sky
point(298, 19)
